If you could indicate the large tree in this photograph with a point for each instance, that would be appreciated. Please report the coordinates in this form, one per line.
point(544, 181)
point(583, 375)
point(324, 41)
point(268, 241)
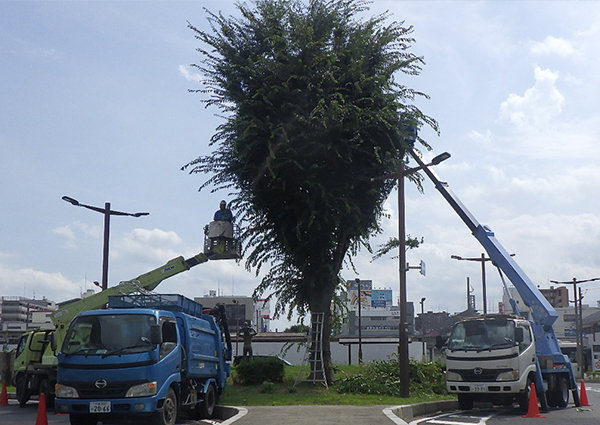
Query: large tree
point(314, 108)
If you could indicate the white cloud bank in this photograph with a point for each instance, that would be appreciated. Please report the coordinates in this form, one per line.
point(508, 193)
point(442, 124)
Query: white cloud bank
point(538, 106)
point(553, 46)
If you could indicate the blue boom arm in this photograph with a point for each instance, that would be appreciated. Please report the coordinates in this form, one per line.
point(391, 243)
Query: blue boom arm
point(543, 315)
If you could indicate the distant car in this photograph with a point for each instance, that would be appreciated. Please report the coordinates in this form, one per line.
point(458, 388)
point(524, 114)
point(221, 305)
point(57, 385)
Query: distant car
point(238, 359)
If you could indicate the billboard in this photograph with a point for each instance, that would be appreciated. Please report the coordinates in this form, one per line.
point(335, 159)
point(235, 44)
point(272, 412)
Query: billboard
point(381, 298)
point(373, 298)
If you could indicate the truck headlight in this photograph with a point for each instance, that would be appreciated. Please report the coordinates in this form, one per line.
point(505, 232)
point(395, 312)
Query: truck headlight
point(64, 391)
point(512, 375)
point(453, 376)
point(142, 390)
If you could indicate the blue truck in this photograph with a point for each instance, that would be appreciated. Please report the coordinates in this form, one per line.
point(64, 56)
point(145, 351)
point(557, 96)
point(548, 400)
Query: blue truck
point(146, 357)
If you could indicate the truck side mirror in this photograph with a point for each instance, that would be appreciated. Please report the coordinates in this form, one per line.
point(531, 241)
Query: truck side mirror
point(519, 336)
point(53, 344)
point(440, 342)
point(156, 334)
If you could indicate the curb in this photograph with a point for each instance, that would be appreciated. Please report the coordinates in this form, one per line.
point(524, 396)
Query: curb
point(410, 411)
point(229, 414)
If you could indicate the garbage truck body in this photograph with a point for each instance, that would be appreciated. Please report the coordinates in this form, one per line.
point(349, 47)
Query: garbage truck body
point(146, 356)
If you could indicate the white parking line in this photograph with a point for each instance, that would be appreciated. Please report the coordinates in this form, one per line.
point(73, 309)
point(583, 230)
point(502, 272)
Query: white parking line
point(448, 419)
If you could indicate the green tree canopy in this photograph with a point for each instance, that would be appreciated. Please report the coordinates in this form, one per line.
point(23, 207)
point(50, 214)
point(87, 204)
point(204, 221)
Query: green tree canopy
point(314, 108)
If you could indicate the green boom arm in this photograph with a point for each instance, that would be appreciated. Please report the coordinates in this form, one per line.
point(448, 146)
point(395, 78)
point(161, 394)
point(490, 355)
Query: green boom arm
point(148, 281)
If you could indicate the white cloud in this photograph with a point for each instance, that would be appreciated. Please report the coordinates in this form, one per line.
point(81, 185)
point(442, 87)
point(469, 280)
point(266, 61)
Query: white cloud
point(486, 139)
point(31, 283)
point(154, 236)
point(153, 246)
point(79, 230)
point(538, 106)
point(188, 75)
point(553, 46)
point(568, 186)
point(65, 231)
point(76, 232)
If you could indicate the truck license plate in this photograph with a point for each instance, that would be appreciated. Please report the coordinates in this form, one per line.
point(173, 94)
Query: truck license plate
point(99, 406)
point(478, 388)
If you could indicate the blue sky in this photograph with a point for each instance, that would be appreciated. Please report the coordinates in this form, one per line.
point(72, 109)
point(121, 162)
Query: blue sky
point(94, 104)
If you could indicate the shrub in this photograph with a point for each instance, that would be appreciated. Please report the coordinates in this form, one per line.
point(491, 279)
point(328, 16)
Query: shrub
point(383, 378)
point(267, 387)
point(259, 370)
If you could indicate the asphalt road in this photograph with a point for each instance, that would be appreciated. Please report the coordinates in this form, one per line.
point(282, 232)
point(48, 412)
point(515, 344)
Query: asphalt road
point(351, 415)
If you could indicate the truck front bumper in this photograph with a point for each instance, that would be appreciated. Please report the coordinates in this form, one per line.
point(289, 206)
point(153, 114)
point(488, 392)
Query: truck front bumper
point(510, 387)
point(103, 407)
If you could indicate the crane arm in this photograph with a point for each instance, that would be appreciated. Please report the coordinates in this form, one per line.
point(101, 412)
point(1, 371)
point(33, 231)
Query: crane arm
point(542, 312)
point(147, 281)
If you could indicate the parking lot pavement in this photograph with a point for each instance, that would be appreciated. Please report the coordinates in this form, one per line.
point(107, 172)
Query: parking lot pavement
point(312, 415)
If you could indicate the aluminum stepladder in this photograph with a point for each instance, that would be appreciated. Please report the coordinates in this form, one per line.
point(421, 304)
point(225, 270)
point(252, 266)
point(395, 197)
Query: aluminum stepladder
point(313, 363)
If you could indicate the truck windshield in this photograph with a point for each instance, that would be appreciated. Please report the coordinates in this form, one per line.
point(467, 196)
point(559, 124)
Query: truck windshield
point(109, 334)
point(481, 335)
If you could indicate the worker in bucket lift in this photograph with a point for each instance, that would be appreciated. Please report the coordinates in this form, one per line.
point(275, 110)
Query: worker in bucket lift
point(223, 213)
point(222, 225)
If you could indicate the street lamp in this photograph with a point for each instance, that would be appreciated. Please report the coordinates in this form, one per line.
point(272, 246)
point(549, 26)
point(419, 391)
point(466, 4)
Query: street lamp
point(482, 260)
point(403, 356)
point(107, 213)
point(578, 315)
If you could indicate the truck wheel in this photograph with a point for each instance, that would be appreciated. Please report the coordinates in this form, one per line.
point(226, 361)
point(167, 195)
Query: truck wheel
point(524, 397)
point(22, 392)
point(44, 388)
point(205, 409)
point(561, 396)
point(465, 402)
point(168, 414)
point(82, 420)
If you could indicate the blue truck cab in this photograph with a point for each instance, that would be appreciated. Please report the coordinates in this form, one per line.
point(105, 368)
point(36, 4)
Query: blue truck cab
point(148, 356)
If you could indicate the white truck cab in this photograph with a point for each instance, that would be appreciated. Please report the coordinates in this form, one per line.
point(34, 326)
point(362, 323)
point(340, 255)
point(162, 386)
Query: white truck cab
point(491, 358)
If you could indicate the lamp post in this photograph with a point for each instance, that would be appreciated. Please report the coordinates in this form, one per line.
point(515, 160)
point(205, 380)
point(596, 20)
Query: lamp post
point(578, 315)
point(403, 356)
point(422, 326)
point(360, 353)
point(237, 326)
point(107, 213)
point(482, 260)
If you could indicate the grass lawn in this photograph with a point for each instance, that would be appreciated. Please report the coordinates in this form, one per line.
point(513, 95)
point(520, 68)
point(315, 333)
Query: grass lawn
point(285, 394)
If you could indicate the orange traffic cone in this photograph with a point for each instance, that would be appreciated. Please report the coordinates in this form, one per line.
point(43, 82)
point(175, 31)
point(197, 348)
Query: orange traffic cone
point(4, 396)
point(533, 411)
point(42, 417)
point(583, 396)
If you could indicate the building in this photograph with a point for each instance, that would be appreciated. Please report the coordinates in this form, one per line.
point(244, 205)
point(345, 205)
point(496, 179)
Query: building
point(17, 314)
point(378, 317)
point(558, 297)
point(239, 310)
point(430, 323)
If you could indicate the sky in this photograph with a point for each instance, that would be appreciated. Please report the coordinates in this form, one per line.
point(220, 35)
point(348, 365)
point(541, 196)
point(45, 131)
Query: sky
point(95, 105)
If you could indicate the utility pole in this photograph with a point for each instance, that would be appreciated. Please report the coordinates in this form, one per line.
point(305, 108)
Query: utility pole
point(360, 353)
point(578, 315)
point(403, 355)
